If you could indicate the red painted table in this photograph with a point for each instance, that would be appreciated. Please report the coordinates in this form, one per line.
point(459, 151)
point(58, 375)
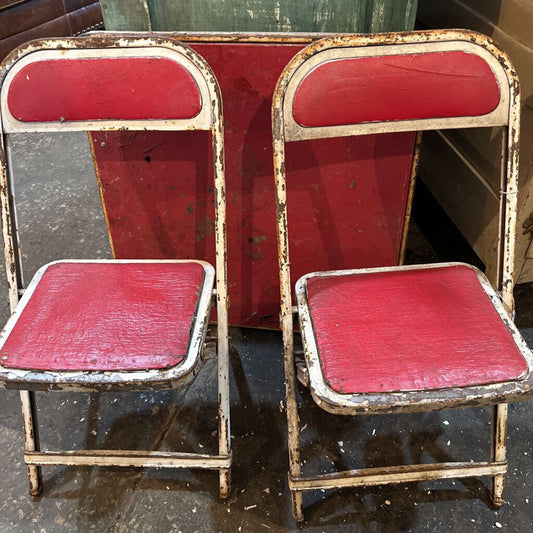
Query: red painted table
point(158, 197)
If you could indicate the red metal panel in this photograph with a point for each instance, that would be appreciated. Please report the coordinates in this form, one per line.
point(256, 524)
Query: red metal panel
point(89, 89)
point(105, 316)
point(403, 87)
point(410, 330)
point(348, 196)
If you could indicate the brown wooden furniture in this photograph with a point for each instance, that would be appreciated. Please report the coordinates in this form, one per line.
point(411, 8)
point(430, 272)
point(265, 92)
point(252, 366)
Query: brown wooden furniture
point(24, 20)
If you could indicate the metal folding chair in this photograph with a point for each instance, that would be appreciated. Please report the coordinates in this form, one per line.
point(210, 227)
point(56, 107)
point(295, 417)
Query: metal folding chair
point(402, 338)
point(112, 325)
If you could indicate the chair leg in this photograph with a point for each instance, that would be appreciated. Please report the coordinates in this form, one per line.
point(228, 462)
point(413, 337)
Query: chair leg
point(294, 452)
point(31, 438)
point(297, 507)
point(499, 433)
point(224, 437)
point(224, 482)
point(293, 429)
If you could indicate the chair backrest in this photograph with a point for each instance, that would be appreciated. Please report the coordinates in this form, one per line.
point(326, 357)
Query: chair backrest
point(357, 85)
point(114, 82)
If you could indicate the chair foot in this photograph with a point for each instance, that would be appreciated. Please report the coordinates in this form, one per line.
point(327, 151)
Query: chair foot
point(297, 510)
point(225, 482)
point(496, 493)
point(35, 478)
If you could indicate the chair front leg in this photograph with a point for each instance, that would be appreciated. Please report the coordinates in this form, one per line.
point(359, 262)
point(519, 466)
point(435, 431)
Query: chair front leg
point(31, 438)
point(224, 436)
point(499, 434)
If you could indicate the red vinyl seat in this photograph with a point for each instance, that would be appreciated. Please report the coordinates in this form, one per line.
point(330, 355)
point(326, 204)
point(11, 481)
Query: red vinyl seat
point(414, 329)
point(105, 316)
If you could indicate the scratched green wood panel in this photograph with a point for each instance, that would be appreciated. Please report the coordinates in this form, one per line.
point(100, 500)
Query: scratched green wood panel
point(363, 16)
point(132, 15)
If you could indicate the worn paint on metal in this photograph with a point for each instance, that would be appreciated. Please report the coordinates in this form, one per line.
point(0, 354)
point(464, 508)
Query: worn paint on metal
point(153, 84)
point(127, 458)
point(366, 477)
point(410, 197)
point(97, 103)
point(31, 439)
point(208, 118)
point(425, 398)
point(286, 129)
point(450, 337)
point(146, 325)
point(499, 451)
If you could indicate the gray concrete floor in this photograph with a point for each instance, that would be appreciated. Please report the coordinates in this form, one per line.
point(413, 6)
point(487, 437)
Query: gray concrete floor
point(120, 500)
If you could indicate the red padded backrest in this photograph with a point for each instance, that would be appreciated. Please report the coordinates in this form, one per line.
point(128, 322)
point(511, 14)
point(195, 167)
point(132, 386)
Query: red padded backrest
point(396, 87)
point(103, 88)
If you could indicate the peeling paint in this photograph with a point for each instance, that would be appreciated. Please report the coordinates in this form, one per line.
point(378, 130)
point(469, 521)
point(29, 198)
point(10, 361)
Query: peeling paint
point(209, 118)
point(285, 129)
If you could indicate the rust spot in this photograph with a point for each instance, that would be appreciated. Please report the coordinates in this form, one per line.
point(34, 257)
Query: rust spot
point(244, 85)
point(204, 229)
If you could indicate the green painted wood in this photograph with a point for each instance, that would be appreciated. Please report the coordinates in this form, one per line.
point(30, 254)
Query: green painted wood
point(126, 15)
point(352, 16)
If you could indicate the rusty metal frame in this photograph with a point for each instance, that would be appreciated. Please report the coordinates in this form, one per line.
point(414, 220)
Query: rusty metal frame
point(410, 198)
point(295, 132)
point(209, 118)
point(230, 36)
point(408, 400)
point(20, 378)
point(202, 121)
point(285, 129)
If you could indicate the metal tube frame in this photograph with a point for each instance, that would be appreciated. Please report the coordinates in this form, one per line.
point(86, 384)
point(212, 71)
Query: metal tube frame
point(286, 130)
point(31, 439)
point(206, 120)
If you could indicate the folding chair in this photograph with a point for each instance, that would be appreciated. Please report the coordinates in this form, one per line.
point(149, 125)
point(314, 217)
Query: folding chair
point(112, 325)
point(401, 338)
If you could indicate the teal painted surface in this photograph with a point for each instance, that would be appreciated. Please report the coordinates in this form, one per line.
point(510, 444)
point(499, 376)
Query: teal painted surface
point(355, 16)
point(132, 15)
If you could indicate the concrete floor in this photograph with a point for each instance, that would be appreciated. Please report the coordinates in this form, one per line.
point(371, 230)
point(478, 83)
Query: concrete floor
point(123, 500)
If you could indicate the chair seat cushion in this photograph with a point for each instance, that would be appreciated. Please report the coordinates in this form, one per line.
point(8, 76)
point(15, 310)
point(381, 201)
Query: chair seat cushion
point(105, 316)
point(409, 329)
